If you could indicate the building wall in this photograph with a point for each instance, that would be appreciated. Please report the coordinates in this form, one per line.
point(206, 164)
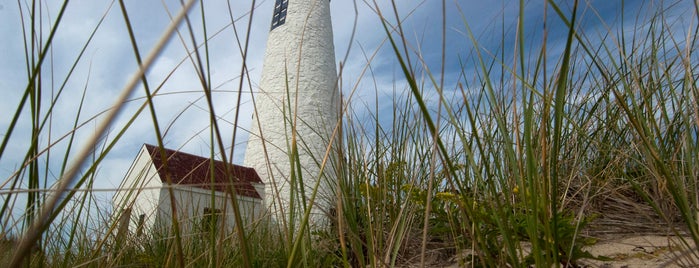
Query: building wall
point(192, 204)
point(142, 190)
point(139, 190)
point(297, 88)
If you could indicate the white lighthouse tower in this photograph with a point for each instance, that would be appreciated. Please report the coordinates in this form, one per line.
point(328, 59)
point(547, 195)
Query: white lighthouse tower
point(296, 111)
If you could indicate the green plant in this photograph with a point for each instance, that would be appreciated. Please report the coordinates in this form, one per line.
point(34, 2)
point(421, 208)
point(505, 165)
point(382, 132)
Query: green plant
point(505, 154)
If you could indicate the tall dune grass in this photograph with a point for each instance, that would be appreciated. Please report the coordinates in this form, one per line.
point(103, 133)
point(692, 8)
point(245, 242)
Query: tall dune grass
point(522, 159)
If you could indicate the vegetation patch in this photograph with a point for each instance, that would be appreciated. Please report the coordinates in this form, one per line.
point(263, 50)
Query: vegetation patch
point(522, 154)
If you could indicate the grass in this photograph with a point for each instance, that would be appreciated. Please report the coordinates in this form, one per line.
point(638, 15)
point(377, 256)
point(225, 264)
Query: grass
point(520, 158)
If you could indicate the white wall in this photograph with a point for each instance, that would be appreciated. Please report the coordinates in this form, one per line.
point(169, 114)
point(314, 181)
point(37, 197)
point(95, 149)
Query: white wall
point(298, 75)
point(139, 190)
point(191, 203)
point(143, 191)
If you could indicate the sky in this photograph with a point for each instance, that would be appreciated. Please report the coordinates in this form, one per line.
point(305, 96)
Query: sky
point(108, 62)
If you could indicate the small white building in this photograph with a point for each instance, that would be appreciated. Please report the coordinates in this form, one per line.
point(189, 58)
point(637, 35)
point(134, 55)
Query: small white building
point(197, 188)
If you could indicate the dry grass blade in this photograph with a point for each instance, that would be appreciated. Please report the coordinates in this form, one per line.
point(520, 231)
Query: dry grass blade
point(41, 223)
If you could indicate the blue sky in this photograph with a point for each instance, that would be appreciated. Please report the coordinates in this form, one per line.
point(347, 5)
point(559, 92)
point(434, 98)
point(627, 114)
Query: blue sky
point(108, 62)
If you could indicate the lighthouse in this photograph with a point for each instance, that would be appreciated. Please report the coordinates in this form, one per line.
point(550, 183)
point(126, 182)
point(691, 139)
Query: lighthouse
point(296, 110)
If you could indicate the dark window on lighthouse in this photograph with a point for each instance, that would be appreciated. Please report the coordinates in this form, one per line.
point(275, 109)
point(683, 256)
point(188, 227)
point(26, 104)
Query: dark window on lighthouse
point(279, 13)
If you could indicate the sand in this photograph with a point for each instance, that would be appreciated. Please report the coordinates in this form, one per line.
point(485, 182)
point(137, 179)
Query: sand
point(632, 251)
point(644, 251)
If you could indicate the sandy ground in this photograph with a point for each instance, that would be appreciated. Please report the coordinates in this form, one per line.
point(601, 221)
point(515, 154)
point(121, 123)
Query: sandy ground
point(644, 251)
point(635, 252)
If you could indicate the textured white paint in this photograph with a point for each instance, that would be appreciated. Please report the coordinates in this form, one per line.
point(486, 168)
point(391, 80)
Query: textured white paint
point(297, 88)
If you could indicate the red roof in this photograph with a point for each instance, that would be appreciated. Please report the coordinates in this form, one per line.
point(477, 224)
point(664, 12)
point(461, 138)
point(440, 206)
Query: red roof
point(191, 170)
